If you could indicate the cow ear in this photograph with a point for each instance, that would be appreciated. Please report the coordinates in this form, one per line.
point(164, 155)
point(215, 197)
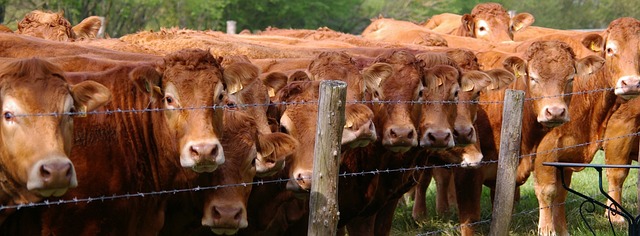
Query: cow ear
point(521, 21)
point(500, 78)
point(275, 81)
point(238, 75)
point(373, 77)
point(593, 42)
point(272, 151)
point(148, 80)
point(515, 65)
point(477, 80)
point(88, 28)
point(89, 95)
point(291, 89)
point(589, 65)
point(468, 25)
point(299, 76)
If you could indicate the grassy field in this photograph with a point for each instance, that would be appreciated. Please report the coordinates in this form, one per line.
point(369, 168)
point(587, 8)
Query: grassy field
point(525, 218)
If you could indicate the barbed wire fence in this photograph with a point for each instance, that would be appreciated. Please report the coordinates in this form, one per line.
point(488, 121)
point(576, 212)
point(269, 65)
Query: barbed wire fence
point(259, 182)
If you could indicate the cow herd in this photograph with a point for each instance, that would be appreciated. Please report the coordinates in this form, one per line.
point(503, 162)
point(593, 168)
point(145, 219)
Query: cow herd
point(158, 112)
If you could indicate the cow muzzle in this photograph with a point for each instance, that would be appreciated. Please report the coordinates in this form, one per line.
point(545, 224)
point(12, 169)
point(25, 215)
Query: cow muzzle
point(202, 156)
point(471, 159)
point(301, 182)
point(359, 136)
point(400, 138)
point(52, 177)
point(628, 87)
point(225, 220)
point(553, 116)
point(464, 135)
point(437, 138)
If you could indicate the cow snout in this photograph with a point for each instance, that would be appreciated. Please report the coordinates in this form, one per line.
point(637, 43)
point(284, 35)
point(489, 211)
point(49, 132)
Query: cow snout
point(437, 139)
point(226, 220)
point(52, 177)
point(628, 87)
point(400, 138)
point(203, 156)
point(360, 136)
point(464, 135)
point(471, 159)
point(301, 182)
point(553, 116)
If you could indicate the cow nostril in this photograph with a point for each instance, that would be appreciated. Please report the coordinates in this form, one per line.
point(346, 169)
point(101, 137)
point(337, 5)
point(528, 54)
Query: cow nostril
point(393, 134)
point(410, 135)
point(238, 215)
point(447, 137)
point(194, 151)
point(44, 172)
point(216, 214)
point(431, 137)
point(623, 83)
point(214, 151)
point(455, 133)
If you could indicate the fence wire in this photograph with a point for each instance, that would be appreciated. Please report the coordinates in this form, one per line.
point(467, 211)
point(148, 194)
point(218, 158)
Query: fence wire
point(282, 180)
point(235, 106)
point(524, 212)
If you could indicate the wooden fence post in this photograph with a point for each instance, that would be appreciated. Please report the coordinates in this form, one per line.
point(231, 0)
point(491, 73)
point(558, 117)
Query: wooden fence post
point(323, 201)
point(508, 159)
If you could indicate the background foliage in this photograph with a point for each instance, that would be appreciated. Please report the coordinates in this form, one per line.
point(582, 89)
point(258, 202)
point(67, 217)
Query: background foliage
point(350, 16)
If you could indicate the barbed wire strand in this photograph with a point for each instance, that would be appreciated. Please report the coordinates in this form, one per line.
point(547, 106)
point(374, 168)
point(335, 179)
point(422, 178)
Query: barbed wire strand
point(527, 212)
point(261, 182)
point(235, 106)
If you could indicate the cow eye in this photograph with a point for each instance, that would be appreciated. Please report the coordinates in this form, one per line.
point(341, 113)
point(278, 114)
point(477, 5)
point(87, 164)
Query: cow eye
point(220, 97)
point(253, 162)
point(482, 28)
point(169, 100)
point(283, 130)
point(9, 116)
point(420, 93)
point(610, 51)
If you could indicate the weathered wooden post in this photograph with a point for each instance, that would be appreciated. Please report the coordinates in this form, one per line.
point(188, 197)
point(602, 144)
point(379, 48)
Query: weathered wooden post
point(637, 184)
point(323, 201)
point(508, 159)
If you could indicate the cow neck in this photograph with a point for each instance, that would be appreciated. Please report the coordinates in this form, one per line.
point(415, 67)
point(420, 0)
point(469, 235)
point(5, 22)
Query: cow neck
point(589, 111)
point(11, 194)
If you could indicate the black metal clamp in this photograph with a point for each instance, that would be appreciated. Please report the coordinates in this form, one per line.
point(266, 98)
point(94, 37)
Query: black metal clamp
point(615, 208)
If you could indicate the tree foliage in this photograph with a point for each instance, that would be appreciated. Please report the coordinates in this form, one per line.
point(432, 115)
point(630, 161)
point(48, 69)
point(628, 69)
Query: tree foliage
point(351, 16)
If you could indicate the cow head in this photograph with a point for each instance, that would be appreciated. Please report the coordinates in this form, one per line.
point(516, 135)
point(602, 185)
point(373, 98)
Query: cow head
point(225, 209)
point(620, 46)
point(491, 22)
point(46, 25)
point(548, 72)
point(396, 117)
point(190, 88)
point(359, 130)
point(441, 91)
point(35, 148)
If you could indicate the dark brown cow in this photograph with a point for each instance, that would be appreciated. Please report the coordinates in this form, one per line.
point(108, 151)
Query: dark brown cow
point(35, 152)
point(487, 21)
point(148, 151)
point(545, 74)
point(53, 26)
point(619, 47)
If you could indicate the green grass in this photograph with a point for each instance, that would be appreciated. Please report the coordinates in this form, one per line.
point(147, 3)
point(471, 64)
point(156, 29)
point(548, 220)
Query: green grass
point(525, 218)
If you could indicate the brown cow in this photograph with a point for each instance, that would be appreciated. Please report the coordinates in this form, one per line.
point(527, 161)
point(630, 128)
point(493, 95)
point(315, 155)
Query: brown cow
point(487, 21)
point(54, 26)
point(546, 73)
point(619, 47)
point(396, 31)
point(144, 152)
point(35, 168)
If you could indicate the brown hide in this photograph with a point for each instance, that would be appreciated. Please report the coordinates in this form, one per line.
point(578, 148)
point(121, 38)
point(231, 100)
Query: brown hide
point(36, 168)
point(590, 113)
point(142, 151)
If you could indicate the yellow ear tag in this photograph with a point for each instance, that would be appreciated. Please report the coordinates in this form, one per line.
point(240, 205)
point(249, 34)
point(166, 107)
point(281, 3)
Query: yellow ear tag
point(593, 47)
point(82, 111)
point(272, 92)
